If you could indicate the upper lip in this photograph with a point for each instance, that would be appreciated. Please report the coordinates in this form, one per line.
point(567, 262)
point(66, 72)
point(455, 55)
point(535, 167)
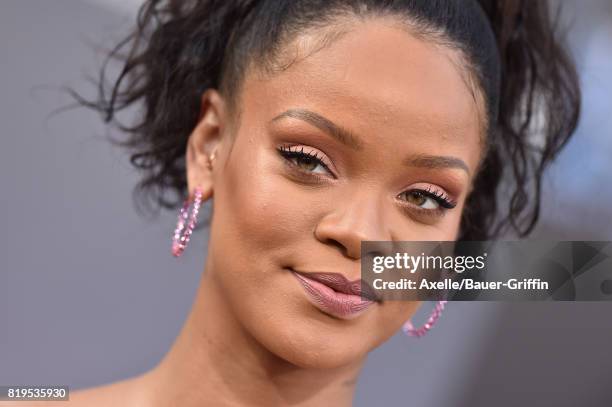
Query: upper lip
point(338, 282)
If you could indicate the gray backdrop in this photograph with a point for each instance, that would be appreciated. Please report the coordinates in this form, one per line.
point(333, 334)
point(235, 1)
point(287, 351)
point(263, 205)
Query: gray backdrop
point(89, 293)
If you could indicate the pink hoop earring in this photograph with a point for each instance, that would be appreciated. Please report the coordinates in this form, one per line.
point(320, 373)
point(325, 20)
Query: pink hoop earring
point(182, 233)
point(410, 330)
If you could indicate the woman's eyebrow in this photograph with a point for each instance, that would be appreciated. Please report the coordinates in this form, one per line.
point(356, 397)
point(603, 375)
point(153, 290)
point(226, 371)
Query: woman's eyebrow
point(324, 124)
point(436, 161)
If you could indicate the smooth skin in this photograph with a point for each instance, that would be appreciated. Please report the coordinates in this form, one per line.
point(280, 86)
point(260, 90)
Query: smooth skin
point(252, 337)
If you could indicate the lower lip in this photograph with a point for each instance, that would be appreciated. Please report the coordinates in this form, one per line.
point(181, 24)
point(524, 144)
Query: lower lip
point(340, 305)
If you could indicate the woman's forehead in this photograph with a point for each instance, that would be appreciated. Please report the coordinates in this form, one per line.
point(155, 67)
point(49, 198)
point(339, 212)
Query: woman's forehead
point(379, 79)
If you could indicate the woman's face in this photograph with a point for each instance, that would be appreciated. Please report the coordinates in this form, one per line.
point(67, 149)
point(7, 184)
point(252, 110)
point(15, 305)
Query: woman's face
point(380, 116)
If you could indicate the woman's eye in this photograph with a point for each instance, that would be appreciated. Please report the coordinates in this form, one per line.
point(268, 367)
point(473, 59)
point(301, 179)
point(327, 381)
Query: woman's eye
point(429, 200)
point(419, 199)
point(310, 164)
point(305, 160)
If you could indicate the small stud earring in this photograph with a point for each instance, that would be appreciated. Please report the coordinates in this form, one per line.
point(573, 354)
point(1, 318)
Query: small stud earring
point(211, 158)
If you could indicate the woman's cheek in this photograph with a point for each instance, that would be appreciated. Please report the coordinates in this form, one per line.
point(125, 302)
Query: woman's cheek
point(261, 205)
point(256, 220)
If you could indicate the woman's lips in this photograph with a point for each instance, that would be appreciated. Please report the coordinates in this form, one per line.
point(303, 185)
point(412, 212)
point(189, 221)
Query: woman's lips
point(333, 294)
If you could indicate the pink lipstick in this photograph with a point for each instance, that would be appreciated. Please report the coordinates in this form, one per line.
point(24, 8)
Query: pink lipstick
point(333, 294)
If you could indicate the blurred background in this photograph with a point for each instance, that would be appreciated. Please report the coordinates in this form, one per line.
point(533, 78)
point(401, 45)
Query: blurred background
point(89, 293)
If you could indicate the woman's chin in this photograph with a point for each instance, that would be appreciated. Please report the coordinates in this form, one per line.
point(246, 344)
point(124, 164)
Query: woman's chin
point(326, 356)
point(311, 348)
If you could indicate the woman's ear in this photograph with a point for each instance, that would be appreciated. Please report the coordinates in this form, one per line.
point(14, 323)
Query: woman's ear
point(204, 143)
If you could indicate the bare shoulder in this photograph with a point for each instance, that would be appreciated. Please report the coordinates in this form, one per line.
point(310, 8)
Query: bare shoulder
point(129, 392)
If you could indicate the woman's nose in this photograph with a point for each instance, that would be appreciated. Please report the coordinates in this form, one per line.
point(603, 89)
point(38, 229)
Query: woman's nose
point(352, 221)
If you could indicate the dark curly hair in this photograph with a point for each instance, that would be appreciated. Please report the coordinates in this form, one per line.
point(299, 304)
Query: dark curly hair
point(180, 48)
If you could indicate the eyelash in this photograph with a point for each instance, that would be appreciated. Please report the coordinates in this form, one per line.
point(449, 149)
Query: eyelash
point(289, 154)
point(443, 200)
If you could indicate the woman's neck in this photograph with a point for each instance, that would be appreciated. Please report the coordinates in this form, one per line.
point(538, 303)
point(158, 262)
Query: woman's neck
point(214, 361)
